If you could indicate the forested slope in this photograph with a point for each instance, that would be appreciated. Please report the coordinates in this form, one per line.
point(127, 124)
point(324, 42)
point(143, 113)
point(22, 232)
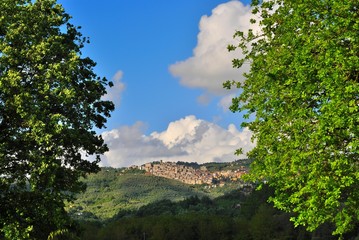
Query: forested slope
point(112, 190)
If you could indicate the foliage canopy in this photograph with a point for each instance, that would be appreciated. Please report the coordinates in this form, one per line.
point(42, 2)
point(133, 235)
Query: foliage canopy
point(301, 98)
point(50, 102)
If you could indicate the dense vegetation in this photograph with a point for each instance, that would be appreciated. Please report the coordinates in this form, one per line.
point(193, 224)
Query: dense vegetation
point(232, 216)
point(50, 102)
point(122, 204)
point(112, 190)
point(301, 99)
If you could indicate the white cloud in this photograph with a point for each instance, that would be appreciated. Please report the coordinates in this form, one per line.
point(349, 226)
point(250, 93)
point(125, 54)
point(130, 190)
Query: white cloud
point(211, 63)
point(188, 139)
point(114, 93)
point(128, 145)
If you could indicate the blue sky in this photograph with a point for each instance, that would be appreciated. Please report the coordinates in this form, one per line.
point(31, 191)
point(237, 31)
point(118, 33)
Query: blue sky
point(168, 61)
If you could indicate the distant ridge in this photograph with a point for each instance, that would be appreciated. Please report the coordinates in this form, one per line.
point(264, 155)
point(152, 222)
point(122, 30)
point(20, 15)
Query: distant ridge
point(193, 173)
point(125, 189)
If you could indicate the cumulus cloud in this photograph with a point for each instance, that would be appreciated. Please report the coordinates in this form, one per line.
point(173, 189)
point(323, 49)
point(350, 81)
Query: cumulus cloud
point(188, 139)
point(114, 93)
point(211, 64)
point(128, 145)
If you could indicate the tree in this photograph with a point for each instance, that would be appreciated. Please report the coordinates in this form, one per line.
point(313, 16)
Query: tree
point(301, 100)
point(50, 104)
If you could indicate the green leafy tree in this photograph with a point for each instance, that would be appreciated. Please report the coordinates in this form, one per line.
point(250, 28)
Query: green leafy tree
point(301, 100)
point(50, 102)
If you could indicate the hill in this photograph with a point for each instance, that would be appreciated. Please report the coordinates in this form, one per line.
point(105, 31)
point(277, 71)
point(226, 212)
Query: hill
point(225, 166)
point(132, 204)
point(234, 215)
point(112, 190)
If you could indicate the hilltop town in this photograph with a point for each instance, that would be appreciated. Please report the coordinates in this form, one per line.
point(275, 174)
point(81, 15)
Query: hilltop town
point(191, 175)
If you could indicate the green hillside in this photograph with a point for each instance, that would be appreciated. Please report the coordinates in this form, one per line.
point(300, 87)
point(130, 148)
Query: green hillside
point(130, 204)
point(113, 190)
point(234, 216)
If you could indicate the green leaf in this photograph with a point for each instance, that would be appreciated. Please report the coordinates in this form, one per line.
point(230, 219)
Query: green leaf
point(300, 98)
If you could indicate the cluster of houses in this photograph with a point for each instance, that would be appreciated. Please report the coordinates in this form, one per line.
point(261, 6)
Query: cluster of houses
point(190, 175)
point(232, 175)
